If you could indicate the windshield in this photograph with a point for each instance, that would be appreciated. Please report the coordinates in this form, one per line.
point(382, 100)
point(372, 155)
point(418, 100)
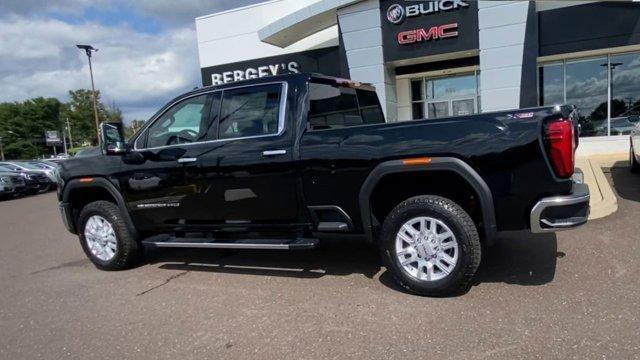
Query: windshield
point(39, 165)
point(29, 166)
point(6, 169)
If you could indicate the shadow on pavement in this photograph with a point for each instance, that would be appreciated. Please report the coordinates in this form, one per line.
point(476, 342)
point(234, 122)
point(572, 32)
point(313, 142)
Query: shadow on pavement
point(518, 258)
point(625, 183)
point(333, 257)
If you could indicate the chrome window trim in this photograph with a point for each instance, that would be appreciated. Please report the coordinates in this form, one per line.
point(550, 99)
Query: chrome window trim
point(284, 86)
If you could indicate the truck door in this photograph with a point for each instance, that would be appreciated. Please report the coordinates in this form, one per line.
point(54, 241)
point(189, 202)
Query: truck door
point(160, 179)
point(250, 171)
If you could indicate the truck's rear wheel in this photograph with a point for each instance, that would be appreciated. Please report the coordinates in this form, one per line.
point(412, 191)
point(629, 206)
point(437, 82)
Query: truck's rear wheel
point(105, 237)
point(431, 246)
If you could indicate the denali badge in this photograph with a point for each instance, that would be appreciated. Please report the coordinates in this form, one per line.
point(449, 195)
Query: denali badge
point(433, 33)
point(395, 14)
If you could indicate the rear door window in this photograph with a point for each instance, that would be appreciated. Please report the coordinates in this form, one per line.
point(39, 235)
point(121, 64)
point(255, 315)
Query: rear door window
point(250, 111)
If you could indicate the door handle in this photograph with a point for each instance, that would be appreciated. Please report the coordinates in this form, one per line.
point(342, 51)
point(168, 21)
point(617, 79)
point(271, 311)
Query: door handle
point(187, 160)
point(274, 152)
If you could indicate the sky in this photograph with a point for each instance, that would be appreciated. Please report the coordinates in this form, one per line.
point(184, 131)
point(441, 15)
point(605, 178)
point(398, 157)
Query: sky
point(147, 49)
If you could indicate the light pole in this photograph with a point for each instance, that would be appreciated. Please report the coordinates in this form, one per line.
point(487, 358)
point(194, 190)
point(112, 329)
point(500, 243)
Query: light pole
point(69, 132)
point(88, 49)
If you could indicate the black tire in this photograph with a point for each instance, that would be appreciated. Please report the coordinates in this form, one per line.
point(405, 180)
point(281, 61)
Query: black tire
point(128, 249)
point(462, 226)
point(634, 166)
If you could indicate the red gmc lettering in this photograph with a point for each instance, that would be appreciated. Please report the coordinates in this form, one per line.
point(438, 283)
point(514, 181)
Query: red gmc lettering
point(434, 33)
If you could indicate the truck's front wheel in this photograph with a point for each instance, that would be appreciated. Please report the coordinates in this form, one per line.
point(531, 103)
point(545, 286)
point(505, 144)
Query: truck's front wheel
point(105, 238)
point(431, 246)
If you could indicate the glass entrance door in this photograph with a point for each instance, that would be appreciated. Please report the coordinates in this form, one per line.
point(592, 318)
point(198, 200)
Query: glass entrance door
point(463, 107)
point(454, 95)
point(458, 107)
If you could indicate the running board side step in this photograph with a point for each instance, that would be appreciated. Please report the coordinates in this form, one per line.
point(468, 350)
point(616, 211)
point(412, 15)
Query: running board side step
point(260, 244)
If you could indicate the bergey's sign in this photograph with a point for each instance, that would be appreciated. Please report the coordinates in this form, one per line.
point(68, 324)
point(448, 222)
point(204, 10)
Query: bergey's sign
point(413, 29)
point(325, 61)
point(254, 72)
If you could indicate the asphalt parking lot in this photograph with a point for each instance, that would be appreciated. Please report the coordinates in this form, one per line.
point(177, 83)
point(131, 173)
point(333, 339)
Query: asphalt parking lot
point(571, 295)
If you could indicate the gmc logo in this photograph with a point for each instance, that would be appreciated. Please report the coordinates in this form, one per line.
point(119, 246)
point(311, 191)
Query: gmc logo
point(433, 33)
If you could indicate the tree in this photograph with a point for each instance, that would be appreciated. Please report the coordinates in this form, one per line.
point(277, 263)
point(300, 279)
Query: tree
point(81, 116)
point(600, 112)
point(133, 127)
point(23, 124)
point(113, 113)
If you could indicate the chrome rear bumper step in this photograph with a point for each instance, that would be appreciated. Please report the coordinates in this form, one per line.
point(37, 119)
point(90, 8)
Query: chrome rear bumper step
point(561, 212)
point(259, 244)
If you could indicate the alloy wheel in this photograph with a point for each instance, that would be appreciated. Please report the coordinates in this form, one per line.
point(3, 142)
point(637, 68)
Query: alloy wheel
point(426, 248)
point(100, 237)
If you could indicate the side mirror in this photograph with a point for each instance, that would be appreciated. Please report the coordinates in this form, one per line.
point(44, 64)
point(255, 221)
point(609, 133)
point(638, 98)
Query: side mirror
point(112, 138)
point(634, 118)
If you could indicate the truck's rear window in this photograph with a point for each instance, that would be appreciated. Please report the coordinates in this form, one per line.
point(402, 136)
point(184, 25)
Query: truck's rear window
point(333, 106)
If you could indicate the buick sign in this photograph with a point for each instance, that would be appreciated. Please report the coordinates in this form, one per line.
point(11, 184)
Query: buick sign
point(397, 13)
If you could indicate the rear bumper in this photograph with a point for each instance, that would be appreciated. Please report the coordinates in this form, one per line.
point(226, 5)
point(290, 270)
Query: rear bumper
point(561, 212)
point(65, 212)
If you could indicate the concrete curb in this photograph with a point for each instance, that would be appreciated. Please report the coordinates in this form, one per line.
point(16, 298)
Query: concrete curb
point(603, 200)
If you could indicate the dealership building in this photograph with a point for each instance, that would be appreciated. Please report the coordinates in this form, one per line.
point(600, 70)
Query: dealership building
point(432, 59)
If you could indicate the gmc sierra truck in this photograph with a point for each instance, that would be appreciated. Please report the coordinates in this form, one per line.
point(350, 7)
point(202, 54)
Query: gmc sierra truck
point(282, 162)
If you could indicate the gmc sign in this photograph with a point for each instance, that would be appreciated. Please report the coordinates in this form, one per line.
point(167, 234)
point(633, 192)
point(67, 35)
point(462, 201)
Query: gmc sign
point(433, 33)
point(413, 29)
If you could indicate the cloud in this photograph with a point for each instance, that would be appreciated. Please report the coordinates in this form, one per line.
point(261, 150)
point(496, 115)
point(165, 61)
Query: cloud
point(27, 7)
point(136, 70)
point(170, 13)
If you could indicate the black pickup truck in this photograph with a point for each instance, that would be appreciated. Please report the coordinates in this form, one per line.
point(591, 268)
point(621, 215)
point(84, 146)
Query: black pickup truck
point(281, 162)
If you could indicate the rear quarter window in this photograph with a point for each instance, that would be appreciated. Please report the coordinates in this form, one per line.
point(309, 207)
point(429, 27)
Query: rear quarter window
point(333, 107)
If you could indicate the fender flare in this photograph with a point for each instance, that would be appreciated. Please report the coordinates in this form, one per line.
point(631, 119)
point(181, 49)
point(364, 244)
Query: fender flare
point(100, 182)
point(437, 164)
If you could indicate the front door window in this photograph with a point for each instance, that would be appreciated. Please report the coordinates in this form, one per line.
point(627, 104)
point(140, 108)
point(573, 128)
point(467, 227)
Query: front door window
point(186, 122)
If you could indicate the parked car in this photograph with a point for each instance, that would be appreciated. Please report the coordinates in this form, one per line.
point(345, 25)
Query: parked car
point(622, 125)
point(42, 164)
point(11, 184)
point(25, 166)
point(35, 181)
point(282, 162)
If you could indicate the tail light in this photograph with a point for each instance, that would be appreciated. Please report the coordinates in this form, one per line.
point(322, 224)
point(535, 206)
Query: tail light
point(560, 145)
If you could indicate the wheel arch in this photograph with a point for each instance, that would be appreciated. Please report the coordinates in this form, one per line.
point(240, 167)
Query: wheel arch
point(436, 164)
point(97, 188)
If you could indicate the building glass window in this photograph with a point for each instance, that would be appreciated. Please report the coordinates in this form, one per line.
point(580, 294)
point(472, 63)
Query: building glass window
point(587, 84)
point(625, 93)
point(551, 81)
point(453, 95)
point(586, 87)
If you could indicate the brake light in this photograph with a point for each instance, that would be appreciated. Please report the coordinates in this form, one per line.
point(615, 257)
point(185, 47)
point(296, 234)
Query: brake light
point(560, 144)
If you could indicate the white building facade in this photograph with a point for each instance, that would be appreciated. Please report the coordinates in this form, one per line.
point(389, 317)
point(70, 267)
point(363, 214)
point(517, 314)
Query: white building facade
point(433, 59)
